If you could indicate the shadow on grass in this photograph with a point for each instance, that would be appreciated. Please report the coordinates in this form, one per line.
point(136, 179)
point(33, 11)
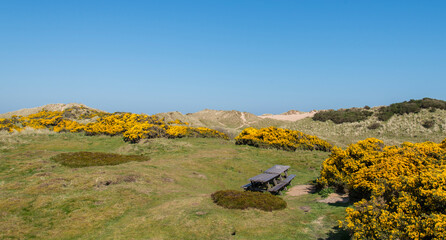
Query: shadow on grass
point(341, 204)
point(337, 234)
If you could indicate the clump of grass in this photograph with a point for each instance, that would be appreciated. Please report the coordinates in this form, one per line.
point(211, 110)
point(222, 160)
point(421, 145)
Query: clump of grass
point(325, 192)
point(428, 124)
point(233, 199)
point(88, 159)
point(374, 126)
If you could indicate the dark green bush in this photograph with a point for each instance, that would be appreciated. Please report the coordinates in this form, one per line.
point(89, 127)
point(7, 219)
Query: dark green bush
point(428, 123)
point(343, 115)
point(88, 159)
point(374, 126)
point(233, 199)
point(412, 106)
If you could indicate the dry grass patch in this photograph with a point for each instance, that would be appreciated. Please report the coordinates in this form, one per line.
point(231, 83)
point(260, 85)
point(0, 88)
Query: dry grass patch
point(233, 199)
point(88, 159)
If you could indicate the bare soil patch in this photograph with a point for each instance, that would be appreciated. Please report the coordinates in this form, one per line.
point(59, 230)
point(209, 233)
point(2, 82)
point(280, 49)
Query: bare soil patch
point(299, 190)
point(335, 198)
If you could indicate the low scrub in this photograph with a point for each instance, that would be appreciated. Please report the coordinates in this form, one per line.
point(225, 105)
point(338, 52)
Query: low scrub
point(343, 115)
point(233, 199)
point(374, 126)
point(88, 159)
point(412, 106)
point(428, 124)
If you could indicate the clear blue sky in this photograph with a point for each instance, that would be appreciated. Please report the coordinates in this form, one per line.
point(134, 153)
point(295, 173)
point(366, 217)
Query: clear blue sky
point(255, 56)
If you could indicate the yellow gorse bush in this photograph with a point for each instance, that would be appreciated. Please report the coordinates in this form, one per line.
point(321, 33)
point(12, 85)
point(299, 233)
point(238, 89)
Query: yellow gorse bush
point(8, 125)
point(280, 138)
point(183, 131)
point(177, 121)
point(403, 188)
point(133, 127)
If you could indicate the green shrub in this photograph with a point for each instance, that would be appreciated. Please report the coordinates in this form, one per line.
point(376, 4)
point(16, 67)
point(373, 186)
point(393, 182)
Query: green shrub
point(428, 123)
point(343, 115)
point(325, 192)
point(233, 199)
point(374, 126)
point(412, 106)
point(88, 159)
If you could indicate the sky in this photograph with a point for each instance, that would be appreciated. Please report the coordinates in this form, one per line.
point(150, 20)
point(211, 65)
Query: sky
point(255, 56)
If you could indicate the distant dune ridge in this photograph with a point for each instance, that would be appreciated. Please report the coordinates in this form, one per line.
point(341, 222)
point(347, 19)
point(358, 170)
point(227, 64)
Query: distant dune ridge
point(425, 123)
point(48, 107)
point(206, 116)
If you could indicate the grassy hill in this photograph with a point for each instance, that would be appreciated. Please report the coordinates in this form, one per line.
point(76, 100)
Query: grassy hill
point(81, 109)
point(415, 121)
point(398, 129)
point(166, 197)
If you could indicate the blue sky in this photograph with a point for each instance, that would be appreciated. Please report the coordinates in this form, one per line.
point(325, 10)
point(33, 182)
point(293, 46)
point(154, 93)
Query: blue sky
point(255, 56)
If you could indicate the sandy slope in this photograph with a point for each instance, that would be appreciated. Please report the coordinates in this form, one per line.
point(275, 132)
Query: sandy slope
point(292, 115)
point(49, 107)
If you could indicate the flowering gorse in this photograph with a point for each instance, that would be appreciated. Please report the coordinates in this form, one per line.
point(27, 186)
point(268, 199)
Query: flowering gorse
point(402, 188)
point(279, 138)
point(133, 127)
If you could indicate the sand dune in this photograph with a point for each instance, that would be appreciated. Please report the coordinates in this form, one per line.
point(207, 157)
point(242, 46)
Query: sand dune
point(291, 115)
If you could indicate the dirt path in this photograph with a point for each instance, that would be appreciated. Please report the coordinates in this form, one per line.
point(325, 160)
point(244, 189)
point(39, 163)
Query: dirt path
point(244, 118)
point(300, 190)
point(244, 121)
point(335, 198)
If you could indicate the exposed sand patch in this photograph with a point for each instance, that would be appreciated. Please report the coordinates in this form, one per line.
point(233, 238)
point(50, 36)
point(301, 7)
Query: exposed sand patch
point(319, 221)
point(335, 198)
point(300, 190)
point(291, 115)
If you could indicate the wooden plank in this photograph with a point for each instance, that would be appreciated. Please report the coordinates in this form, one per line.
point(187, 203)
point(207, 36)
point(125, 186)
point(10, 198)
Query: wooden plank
point(282, 184)
point(264, 177)
point(277, 169)
point(247, 186)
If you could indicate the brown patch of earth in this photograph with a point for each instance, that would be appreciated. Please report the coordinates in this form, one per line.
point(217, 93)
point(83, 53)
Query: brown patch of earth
point(305, 208)
point(199, 175)
point(300, 190)
point(200, 213)
point(335, 198)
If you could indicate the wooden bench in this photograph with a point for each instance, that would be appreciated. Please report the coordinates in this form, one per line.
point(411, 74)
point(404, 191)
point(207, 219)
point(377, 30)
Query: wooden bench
point(247, 186)
point(282, 184)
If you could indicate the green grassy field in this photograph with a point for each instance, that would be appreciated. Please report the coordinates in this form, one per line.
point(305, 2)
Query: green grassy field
point(166, 197)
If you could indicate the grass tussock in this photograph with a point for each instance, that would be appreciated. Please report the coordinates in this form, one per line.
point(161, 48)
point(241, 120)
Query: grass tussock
point(233, 199)
point(88, 159)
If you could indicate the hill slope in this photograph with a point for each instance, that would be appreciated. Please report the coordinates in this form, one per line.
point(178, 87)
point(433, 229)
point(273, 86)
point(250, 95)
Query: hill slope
point(49, 107)
point(422, 125)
